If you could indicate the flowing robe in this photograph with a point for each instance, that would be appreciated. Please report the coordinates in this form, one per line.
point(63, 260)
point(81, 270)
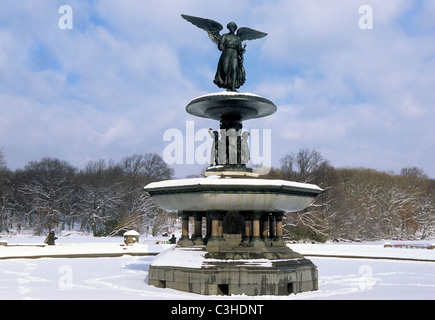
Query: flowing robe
point(230, 72)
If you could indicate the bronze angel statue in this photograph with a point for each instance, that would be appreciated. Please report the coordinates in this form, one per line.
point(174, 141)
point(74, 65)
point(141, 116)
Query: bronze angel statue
point(230, 72)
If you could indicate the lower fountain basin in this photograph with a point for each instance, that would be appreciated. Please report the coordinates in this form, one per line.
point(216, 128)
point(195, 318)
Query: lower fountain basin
point(224, 194)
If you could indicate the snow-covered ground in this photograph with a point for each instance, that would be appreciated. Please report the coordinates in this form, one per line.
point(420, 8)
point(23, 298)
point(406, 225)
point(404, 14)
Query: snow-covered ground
point(362, 275)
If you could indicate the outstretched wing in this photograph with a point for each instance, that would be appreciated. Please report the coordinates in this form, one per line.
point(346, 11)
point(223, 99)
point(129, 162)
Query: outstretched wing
point(212, 27)
point(250, 34)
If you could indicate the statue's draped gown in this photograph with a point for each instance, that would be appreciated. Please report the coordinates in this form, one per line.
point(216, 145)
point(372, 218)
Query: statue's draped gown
point(230, 72)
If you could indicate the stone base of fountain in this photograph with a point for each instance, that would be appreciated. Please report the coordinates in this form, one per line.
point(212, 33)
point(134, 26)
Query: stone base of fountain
point(236, 246)
point(243, 251)
point(252, 271)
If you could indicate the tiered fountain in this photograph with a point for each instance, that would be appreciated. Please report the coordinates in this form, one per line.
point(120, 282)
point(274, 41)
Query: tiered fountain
point(237, 244)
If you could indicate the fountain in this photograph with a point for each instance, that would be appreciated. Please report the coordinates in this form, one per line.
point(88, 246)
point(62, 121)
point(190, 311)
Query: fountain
point(237, 244)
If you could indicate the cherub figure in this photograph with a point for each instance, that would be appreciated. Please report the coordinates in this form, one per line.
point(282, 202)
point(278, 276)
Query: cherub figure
point(245, 154)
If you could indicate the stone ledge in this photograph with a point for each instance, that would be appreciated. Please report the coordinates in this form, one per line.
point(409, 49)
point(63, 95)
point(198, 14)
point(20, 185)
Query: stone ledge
point(270, 271)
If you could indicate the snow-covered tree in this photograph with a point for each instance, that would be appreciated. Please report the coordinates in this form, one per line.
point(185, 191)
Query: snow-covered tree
point(45, 190)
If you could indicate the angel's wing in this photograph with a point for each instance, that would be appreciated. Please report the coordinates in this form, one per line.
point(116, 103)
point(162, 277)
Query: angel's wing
point(212, 27)
point(250, 34)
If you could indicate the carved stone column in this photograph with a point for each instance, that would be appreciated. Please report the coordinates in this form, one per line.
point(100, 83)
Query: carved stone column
point(265, 227)
point(255, 239)
point(248, 230)
point(185, 240)
point(198, 240)
point(216, 239)
point(279, 240)
point(272, 227)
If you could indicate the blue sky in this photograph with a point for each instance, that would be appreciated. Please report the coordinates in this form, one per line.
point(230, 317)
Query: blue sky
point(111, 86)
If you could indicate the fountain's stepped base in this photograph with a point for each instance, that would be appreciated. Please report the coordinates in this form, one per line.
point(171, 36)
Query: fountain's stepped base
point(245, 270)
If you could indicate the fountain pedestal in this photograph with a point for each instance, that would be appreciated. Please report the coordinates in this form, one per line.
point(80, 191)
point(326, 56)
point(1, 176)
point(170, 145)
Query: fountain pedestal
point(242, 250)
point(250, 271)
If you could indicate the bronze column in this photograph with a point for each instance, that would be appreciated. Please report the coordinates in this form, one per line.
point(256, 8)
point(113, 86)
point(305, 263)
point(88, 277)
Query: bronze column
point(248, 229)
point(198, 240)
point(272, 227)
point(185, 240)
point(256, 228)
point(279, 240)
point(216, 226)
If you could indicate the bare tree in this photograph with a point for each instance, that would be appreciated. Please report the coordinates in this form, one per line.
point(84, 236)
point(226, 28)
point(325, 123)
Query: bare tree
point(6, 200)
point(371, 205)
point(425, 217)
point(311, 167)
point(139, 170)
point(414, 172)
point(305, 166)
point(2, 160)
point(47, 187)
point(145, 168)
point(112, 195)
point(98, 204)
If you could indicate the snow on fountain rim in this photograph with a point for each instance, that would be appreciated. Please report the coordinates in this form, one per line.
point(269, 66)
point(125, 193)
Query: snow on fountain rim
point(196, 258)
point(219, 181)
point(229, 93)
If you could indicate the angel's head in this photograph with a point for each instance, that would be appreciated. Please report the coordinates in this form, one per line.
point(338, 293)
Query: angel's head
point(232, 26)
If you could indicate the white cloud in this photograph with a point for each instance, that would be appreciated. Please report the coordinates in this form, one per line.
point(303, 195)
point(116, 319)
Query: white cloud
point(111, 86)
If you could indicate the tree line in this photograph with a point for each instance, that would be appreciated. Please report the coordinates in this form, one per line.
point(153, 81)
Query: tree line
point(104, 198)
point(359, 203)
point(107, 198)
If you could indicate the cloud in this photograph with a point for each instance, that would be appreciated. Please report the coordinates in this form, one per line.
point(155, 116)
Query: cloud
point(111, 86)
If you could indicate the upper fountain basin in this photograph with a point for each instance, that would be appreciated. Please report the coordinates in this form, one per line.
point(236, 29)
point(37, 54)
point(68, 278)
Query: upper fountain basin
point(230, 104)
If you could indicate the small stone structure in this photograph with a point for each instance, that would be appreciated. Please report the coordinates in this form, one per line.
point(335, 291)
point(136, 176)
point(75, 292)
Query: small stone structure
point(131, 237)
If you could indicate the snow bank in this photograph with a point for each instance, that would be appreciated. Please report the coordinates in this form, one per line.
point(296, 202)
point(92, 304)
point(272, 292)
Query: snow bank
point(364, 250)
point(177, 257)
point(75, 247)
point(28, 246)
point(125, 277)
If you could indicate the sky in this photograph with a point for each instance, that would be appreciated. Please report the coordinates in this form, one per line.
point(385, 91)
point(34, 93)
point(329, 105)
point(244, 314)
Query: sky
point(354, 84)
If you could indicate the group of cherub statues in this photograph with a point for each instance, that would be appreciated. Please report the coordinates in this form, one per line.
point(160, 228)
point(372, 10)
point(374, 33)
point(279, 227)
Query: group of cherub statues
point(230, 148)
